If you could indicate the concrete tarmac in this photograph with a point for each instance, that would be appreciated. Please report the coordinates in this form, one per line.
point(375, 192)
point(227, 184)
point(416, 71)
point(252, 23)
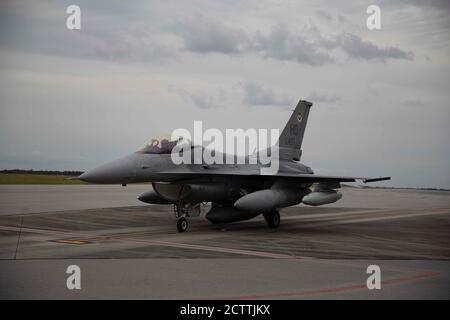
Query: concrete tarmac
point(19, 199)
point(134, 251)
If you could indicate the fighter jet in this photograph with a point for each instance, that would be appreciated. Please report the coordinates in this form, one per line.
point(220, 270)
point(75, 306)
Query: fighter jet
point(226, 193)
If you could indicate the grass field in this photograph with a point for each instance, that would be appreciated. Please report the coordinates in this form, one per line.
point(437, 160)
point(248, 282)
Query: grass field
point(26, 178)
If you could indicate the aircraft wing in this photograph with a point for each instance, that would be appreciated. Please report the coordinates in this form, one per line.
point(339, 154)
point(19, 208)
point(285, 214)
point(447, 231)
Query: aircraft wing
point(324, 178)
point(211, 171)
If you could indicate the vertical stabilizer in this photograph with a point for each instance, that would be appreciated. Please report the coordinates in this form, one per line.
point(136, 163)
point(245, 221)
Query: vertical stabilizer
point(290, 141)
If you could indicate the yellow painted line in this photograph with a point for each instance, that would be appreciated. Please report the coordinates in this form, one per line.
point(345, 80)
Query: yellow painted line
point(72, 241)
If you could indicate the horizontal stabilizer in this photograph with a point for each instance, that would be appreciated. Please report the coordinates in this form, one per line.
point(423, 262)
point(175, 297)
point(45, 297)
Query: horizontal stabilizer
point(376, 179)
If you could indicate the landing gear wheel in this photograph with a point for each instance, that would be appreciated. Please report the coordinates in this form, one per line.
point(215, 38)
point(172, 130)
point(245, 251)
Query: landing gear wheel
point(182, 224)
point(272, 219)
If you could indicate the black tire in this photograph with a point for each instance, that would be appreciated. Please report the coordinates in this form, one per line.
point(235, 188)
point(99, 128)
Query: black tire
point(182, 224)
point(272, 219)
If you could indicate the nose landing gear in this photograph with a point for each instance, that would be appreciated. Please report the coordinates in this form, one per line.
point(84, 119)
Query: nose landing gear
point(186, 210)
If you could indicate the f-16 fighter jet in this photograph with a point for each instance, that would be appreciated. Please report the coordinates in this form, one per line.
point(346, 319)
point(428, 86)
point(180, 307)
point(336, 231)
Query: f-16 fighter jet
point(231, 192)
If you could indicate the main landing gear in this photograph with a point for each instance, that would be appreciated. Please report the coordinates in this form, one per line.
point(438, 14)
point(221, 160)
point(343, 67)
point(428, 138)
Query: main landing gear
point(272, 219)
point(181, 213)
point(182, 224)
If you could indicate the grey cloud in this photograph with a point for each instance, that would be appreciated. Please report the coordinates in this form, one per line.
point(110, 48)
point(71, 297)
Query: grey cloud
point(342, 19)
point(113, 40)
point(324, 15)
point(281, 44)
point(124, 40)
point(200, 100)
point(355, 47)
point(259, 95)
point(323, 97)
point(413, 102)
point(330, 17)
point(435, 4)
point(203, 101)
point(202, 35)
point(123, 46)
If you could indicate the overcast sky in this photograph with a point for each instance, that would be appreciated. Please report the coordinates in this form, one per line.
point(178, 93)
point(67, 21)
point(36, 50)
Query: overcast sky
point(72, 99)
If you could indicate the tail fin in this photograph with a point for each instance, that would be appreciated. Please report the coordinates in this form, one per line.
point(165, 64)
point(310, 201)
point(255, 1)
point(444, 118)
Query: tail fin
point(290, 141)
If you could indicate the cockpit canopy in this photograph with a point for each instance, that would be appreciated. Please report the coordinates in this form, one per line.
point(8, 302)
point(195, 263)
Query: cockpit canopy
point(162, 144)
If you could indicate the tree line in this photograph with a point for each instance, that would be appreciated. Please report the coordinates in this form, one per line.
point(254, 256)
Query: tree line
point(49, 172)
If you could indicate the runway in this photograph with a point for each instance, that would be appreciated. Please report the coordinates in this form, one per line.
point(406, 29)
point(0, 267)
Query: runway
point(134, 251)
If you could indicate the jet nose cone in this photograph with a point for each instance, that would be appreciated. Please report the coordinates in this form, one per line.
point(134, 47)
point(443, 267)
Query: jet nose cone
point(86, 176)
point(96, 175)
point(117, 171)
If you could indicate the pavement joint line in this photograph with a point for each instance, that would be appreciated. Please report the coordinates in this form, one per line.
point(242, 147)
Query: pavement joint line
point(311, 292)
point(156, 242)
point(351, 213)
point(361, 220)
